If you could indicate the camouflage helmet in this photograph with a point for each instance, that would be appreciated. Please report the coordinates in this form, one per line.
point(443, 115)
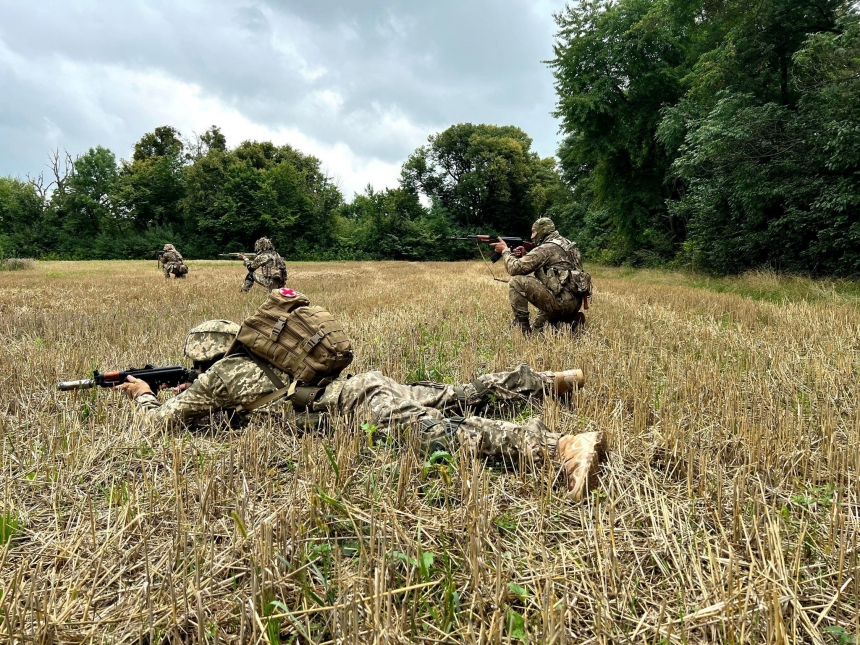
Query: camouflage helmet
point(263, 244)
point(169, 247)
point(209, 341)
point(542, 227)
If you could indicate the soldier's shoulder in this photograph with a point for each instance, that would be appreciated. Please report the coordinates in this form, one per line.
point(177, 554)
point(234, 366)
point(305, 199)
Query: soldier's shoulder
point(232, 365)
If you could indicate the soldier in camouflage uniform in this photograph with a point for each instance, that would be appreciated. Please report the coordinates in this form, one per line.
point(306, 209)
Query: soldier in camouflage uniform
point(550, 290)
point(443, 415)
point(172, 262)
point(272, 270)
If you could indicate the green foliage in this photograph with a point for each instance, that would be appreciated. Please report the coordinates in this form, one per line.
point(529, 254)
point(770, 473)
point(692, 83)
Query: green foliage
point(839, 634)
point(21, 211)
point(10, 526)
point(392, 224)
point(516, 625)
point(484, 176)
point(724, 134)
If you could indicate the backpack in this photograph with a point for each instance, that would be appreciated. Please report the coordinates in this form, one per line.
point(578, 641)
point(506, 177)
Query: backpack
point(579, 281)
point(305, 341)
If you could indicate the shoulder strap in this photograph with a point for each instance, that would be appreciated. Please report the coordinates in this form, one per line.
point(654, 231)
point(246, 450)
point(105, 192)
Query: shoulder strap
point(267, 369)
point(280, 390)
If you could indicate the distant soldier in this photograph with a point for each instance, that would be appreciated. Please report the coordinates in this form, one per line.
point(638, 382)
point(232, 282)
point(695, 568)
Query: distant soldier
point(559, 285)
point(272, 272)
point(443, 416)
point(172, 262)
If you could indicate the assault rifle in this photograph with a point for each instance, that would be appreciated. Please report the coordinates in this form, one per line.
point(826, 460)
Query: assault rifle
point(155, 377)
point(157, 255)
point(512, 242)
point(236, 256)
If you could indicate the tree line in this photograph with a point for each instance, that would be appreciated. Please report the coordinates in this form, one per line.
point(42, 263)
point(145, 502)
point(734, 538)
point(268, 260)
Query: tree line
point(716, 134)
point(208, 198)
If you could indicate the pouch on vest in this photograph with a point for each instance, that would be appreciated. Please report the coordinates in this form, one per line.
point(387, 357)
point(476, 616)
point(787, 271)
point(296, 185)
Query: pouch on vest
point(305, 341)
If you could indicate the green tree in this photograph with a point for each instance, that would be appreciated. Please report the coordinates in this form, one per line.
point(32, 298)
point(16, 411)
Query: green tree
point(779, 184)
point(616, 66)
point(392, 225)
point(485, 176)
point(21, 210)
point(235, 196)
point(152, 185)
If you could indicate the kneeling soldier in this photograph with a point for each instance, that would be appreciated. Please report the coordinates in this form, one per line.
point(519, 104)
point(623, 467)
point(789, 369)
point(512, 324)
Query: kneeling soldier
point(172, 262)
point(555, 289)
point(266, 268)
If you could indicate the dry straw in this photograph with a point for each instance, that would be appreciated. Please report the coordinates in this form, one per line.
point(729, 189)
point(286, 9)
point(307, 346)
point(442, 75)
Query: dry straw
point(727, 509)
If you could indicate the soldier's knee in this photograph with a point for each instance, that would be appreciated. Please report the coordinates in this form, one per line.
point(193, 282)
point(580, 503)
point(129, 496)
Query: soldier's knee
point(517, 283)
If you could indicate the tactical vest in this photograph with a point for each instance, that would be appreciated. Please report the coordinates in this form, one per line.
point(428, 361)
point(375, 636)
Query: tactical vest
point(275, 267)
point(565, 272)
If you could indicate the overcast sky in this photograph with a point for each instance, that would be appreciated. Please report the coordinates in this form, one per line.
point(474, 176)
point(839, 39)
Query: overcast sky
point(360, 84)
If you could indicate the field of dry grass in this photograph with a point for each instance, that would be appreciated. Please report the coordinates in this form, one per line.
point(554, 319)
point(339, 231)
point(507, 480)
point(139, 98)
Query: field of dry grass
point(728, 508)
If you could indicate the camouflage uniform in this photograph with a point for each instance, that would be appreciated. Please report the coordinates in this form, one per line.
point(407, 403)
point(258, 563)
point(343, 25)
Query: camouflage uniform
point(172, 262)
point(431, 409)
point(273, 271)
point(550, 289)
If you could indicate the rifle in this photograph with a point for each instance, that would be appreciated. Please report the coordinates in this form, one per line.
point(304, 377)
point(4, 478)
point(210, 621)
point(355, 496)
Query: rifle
point(236, 256)
point(157, 255)
point(512, 242)
point(155, 377)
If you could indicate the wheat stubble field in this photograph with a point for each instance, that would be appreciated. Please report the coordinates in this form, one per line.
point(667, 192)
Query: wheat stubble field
point(728, 508)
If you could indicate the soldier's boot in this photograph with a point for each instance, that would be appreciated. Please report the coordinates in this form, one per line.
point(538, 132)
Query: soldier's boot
point(523, 325)
point(567, 381)
point(580, 457)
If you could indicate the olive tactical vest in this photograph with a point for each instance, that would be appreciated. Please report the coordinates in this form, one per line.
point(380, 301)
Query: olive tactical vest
point(566, 272)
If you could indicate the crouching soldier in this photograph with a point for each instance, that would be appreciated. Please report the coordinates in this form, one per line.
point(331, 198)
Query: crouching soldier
point(558, 287)
point(442, 414)
point(266, 268)
point(172, 262)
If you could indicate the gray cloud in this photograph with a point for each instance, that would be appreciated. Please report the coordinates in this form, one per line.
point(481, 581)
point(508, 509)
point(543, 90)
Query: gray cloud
point(358, 84)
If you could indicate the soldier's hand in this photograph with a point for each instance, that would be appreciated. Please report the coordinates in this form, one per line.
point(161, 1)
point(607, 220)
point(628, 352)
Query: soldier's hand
point(520, 251)
point(500, 247)
point(181, 388)
point(134, 388)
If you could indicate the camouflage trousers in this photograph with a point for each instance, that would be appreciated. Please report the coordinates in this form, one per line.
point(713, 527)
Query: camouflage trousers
point(258, 278)
point(525, 290)
point(441, 414)
point(175, 269)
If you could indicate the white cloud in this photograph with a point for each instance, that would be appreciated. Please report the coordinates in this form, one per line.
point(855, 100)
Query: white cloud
point(359, 85)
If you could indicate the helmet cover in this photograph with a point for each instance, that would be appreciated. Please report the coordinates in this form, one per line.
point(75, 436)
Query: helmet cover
point(263, 244)
point(209, 341)
point(542, 227)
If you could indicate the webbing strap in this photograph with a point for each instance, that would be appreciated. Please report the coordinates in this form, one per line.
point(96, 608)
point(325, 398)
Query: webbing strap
point(267, 370)
point(308, 346)
point(276, 381)
point(271, 396)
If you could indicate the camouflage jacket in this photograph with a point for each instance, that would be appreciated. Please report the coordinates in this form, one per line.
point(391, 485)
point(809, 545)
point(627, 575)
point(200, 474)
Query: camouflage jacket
point(171, 257)
point(270, 263)
point(550, 262)
point(231, 382)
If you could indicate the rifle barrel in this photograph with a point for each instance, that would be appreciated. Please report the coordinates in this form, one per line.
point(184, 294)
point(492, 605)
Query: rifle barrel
point(83, 384)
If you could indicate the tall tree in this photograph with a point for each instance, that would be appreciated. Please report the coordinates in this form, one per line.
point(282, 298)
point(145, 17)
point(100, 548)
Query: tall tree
point(151, 186)
point(616, 66)
point(485, 176)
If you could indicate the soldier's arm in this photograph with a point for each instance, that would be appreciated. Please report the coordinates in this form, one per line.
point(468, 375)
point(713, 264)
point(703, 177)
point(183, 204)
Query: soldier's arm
point(535, 259)
point(203, 396)
point(259, 260)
